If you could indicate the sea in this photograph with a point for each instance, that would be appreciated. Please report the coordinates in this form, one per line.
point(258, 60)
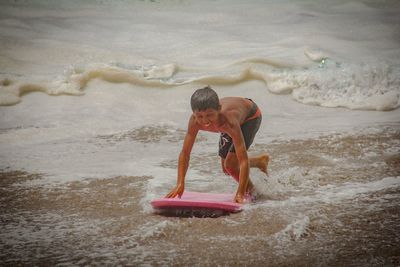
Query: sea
point(94, 105)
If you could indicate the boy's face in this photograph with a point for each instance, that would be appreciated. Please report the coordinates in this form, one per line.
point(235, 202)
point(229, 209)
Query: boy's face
point(206, 117)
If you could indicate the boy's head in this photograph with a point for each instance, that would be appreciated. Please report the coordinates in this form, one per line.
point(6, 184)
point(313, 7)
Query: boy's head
point(204, 98)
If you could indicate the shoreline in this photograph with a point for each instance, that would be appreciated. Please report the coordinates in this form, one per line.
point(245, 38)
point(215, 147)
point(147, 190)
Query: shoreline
point(102, 221)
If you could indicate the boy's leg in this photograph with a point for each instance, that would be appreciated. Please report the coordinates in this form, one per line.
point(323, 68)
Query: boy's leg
point(223, 166)
point(229, 160)
point(260, 162)
point(231, 167)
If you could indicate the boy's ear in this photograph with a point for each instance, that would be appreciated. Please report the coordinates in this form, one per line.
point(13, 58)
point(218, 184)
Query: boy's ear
point(219, 107)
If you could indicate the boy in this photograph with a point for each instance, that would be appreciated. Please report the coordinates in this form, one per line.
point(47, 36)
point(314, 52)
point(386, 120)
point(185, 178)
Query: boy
point(238, 120)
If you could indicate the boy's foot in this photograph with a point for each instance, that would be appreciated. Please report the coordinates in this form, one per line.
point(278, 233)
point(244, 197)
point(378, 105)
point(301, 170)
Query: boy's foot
point(251, 193)
point(263, 163)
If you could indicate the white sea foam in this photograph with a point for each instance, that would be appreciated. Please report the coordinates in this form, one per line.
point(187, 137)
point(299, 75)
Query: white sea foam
point(328, 84)
point(351, 86)
point(150, 230)
point(352, 62)
point(295, 230)
point(346, 191)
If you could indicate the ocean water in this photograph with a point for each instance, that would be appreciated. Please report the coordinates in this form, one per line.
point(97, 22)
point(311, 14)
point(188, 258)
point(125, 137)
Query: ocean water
point(94, 102)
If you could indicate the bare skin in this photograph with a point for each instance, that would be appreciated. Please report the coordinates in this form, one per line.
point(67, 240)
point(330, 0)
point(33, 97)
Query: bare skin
point(228, 118)
point(260, 162)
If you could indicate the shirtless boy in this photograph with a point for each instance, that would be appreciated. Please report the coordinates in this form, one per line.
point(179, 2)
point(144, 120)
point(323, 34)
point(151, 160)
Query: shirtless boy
point(238, 120)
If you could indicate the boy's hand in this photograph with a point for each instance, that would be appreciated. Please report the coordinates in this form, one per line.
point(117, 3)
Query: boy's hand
point(177, 191)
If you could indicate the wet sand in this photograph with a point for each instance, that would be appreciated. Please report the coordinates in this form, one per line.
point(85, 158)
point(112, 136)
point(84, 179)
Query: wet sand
point(331, 201)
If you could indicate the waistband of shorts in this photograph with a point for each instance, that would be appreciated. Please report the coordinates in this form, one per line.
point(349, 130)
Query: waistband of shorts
point(254, 113)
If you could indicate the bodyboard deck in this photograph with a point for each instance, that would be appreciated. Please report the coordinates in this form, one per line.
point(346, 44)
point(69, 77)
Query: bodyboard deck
point(198, 204)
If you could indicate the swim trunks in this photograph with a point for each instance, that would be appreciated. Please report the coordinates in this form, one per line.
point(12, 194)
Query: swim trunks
point(249, 129)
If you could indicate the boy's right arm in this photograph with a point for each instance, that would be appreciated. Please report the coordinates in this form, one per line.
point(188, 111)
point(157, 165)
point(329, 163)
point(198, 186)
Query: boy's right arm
point(184, 157)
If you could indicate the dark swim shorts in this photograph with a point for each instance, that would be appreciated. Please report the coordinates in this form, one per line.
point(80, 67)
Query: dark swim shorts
point(249, 130)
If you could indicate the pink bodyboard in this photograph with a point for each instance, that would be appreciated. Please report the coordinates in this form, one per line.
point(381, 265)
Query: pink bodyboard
point(212, 201)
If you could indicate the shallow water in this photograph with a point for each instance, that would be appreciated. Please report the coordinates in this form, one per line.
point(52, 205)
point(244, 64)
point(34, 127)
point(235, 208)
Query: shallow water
point(94, 102)
point(335, 205)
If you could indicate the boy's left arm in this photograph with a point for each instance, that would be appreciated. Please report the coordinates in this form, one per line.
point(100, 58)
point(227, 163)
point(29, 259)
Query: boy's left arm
point(243, 160)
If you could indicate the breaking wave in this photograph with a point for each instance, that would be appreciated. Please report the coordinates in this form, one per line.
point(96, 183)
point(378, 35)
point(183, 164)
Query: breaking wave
point(325, 83)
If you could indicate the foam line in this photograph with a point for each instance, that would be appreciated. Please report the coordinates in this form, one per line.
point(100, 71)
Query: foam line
point(328, 84)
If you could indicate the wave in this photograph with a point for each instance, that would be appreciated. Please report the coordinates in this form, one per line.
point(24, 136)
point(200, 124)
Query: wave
point(364, 87)
point(325, 83)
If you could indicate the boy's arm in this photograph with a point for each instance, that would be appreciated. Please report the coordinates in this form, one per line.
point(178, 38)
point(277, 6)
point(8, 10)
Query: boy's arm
point(184, 158)
point(243, 160)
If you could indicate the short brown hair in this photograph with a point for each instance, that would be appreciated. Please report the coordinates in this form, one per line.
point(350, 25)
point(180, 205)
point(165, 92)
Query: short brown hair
point(204, 98)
